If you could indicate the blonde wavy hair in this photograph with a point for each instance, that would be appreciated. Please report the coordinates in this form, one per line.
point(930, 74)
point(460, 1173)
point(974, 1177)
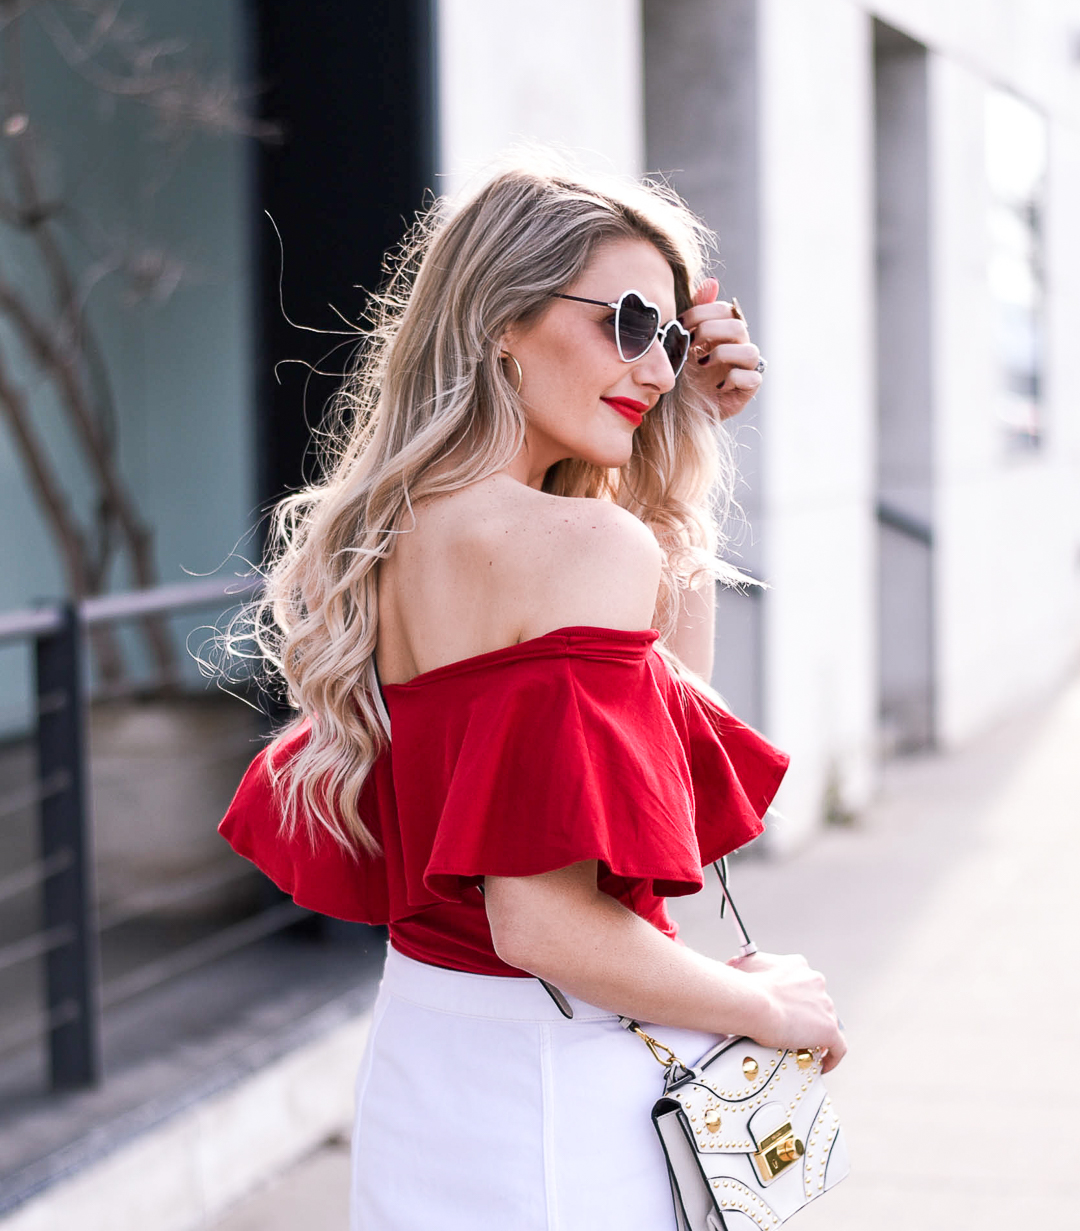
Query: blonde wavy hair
point(426, 380)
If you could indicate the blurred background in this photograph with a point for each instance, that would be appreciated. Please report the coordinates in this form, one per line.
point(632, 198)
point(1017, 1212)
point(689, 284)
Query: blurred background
point(896, 189)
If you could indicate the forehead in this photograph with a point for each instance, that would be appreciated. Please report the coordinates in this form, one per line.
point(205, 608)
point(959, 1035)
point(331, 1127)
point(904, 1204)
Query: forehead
point(628, 264)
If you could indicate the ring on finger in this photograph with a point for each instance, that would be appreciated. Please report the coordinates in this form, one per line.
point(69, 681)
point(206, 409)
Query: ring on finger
point(762, 364)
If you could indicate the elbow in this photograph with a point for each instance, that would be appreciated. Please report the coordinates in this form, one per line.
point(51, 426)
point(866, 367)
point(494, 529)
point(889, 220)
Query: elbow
point(524, 934)
point(513, 940)
point(537, 922)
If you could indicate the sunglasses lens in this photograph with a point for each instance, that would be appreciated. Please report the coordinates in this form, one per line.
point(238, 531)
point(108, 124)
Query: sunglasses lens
point(677, 345)
point(637, 327)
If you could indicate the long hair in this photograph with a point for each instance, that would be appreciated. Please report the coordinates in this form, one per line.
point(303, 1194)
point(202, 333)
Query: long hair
point(426, 380)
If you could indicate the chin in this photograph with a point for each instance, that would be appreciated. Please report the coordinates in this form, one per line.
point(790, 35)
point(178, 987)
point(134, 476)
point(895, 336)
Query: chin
point(609, 447)
point(609, 456)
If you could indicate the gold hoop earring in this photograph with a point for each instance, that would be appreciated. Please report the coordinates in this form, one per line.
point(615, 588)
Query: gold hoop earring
point(505, 354)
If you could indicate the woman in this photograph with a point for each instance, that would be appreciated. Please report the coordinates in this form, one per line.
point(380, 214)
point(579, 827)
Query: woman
point(513, 537)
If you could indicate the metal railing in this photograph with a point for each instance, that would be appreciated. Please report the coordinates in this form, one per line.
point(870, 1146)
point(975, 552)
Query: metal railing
point(67, 942)
point(903, 523)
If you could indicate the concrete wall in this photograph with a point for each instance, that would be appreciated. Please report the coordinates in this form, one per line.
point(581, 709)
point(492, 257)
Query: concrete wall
point(710, 152)
point(817, 482)
point(833, 227)
point(180, 369)
point(1006, 576)
point(905, 396)
point(562, 72)
point(1028, 45)
point(1006, 569)
point(774, 152)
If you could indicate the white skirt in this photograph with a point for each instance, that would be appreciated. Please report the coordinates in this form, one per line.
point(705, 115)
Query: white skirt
point(481, 1108)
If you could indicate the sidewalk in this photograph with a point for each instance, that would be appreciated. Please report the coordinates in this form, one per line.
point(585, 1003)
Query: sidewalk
point(946, 921)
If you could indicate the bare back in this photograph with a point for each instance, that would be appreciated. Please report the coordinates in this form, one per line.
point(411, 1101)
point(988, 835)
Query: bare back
point(499, 562)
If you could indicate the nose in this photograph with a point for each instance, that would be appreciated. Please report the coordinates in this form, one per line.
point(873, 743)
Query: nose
point(654, 368)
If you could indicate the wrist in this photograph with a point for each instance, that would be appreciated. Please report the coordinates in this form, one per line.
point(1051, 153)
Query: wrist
point(759, 1012)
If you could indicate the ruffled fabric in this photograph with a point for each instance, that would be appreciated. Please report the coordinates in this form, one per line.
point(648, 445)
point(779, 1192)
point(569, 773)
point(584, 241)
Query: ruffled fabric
point(580, 744)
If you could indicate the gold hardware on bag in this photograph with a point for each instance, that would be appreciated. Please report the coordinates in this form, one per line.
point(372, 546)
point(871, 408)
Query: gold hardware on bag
point(790, 1149)
point(712, 1120)
point(656, 1048)
point(778, 1151)
point(804, 1057)
point(750, 1068)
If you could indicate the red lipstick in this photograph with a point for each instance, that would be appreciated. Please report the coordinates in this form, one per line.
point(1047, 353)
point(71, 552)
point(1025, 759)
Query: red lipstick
point(628, 408)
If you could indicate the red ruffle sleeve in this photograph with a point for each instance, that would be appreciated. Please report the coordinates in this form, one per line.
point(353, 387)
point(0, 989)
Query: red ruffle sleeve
point(576, 745)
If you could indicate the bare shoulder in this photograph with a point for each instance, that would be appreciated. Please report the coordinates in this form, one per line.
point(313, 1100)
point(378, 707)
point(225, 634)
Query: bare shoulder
point(595, 531)
point(497, 562)
point(585, 562)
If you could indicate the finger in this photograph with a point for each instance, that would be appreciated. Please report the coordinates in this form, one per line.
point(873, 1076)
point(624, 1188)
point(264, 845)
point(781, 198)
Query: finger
point(719, 331)
point(739, 380)
point(720, 309)
point(835, 1053)
point(750, 963)
point(731, 355)
point(707, 291)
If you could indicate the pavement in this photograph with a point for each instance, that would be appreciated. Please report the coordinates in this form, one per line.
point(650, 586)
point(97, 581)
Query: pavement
point(946, 920)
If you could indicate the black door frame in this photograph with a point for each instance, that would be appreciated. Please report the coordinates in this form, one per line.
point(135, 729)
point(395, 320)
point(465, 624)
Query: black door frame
point(351, 83)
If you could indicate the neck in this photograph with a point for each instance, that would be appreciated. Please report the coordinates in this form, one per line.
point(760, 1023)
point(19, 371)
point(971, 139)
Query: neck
point(534, 459)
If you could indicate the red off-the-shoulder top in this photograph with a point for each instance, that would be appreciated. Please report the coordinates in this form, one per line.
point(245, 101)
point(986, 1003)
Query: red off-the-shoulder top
point(578, 744)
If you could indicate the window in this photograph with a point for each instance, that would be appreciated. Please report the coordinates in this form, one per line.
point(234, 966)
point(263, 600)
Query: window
point(1016, 156)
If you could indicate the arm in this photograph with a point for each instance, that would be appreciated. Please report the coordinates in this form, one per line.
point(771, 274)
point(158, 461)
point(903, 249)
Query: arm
point(694, 635)
point(562, 928)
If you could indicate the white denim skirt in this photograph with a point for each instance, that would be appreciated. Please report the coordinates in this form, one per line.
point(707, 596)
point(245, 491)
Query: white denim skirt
point(481, 1108)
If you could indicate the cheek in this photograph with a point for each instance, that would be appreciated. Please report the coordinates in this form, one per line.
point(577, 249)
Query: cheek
point(566, 365)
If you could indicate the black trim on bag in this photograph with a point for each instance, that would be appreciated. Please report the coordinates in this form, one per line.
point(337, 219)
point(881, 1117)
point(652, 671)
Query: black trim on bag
point(669, 1106)
point(828, 1159)
point(676, 1195)
point(693, 1074)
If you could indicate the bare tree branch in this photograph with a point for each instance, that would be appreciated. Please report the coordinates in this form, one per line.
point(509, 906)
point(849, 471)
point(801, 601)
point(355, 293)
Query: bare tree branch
point(57, 357)
point(56, 363)
point(48, 492)
point(154, 74)
point(112, 51)
point(54, 504)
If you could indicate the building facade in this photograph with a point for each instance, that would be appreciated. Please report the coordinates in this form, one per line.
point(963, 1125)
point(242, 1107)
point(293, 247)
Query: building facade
point(895, 187)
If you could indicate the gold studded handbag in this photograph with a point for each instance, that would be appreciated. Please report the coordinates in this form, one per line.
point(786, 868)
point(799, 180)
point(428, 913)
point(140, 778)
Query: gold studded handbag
point(749, 1131)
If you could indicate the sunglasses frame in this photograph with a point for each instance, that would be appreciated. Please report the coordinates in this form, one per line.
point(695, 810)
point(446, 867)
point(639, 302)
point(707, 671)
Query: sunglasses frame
point(661, 330)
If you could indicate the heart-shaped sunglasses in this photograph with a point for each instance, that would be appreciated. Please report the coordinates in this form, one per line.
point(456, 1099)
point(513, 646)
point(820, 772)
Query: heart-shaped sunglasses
point(637, 326)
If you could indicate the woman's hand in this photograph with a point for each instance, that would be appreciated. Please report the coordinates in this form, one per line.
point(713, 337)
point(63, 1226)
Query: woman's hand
point(722, 361)
point(802, 1013)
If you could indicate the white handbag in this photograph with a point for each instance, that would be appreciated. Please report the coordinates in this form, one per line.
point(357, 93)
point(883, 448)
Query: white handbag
point(749, 1132)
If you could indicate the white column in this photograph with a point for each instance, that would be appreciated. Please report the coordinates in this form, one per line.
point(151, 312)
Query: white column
point(702, 100)
point(561, 71)
point(817, 524)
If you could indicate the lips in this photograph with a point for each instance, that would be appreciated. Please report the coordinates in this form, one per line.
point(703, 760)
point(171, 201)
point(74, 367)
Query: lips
point(628, 408)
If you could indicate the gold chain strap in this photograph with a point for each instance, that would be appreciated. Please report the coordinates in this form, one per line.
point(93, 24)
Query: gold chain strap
point(656, 1047)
